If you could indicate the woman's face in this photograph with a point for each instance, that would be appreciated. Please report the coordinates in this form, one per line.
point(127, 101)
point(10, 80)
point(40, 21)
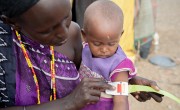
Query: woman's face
point(47, 22)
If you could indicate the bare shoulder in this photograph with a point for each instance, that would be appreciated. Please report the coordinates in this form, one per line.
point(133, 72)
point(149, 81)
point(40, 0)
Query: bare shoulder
point(74, 30)
point(73, 47)
point(75, 34)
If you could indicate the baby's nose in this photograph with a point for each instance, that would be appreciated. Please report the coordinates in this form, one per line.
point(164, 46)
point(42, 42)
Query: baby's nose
point(104, 50)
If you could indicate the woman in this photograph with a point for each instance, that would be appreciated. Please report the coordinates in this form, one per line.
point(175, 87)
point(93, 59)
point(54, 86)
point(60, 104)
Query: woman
point(47, 47)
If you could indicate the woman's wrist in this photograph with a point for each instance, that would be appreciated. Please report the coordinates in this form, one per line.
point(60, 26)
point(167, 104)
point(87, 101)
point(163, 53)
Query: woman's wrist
point(69, 103)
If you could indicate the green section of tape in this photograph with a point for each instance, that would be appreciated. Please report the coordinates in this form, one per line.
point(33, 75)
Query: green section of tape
point(135, 88)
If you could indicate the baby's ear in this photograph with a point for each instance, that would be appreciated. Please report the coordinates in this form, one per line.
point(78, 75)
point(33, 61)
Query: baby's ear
point(83, 35)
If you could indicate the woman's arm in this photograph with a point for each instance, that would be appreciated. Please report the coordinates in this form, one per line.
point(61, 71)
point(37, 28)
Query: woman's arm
point(59, 104)
point(121, 101)
point(81, 95)
point(144, 96)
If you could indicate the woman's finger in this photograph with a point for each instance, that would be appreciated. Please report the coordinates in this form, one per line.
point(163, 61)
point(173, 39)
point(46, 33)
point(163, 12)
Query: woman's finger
point(144, 96)
point(139, 98)
point(156, 97)
point(96, 83)
point(95, 92)
point(154, 85)
point(136, 96)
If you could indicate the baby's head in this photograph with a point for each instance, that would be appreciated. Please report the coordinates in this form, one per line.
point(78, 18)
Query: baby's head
point(103, 27)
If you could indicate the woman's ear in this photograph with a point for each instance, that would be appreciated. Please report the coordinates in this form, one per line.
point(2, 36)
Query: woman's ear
point(10, 22)
point(83, 35)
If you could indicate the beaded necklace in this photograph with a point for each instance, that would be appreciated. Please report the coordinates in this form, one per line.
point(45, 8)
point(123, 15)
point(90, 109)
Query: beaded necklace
point(53, 81)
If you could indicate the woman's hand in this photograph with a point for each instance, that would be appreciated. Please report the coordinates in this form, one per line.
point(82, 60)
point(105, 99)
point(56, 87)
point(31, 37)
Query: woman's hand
point(88, 91)
point(144, 96)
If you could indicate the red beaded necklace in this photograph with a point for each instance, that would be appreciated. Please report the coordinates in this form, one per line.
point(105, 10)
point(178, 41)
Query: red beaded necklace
point(53, 81)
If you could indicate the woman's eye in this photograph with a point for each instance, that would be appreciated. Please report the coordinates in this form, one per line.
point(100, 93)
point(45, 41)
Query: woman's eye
point(46, 32)
point(68, 20)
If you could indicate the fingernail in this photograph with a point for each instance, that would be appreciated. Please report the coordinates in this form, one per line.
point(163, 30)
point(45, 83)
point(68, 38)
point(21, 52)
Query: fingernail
point(113, 87)
point(157, 88)
point(136, 96)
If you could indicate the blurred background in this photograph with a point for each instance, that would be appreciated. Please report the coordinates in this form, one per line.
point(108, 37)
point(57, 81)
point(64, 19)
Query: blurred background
point(167, 25)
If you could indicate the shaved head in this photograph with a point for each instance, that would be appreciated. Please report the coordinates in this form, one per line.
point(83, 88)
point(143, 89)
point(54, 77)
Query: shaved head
point(103, 27)
point(103, 11)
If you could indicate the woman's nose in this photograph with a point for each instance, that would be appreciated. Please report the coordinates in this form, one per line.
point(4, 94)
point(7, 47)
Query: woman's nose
point(63, 30)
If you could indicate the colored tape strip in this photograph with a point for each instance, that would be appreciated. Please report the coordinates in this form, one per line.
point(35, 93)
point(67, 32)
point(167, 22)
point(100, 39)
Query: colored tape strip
point(135, 88)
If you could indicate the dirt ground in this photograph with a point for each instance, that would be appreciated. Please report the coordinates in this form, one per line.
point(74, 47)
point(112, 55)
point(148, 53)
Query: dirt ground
point(168, 27)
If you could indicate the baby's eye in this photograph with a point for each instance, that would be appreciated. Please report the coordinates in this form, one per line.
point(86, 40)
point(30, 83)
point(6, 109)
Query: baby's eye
point(97, 43)
point(112, 44)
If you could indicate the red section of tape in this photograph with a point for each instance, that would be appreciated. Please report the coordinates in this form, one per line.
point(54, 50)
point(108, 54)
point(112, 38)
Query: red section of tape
point(119, 88)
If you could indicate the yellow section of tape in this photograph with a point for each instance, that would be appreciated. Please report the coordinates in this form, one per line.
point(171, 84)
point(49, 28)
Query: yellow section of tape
point(135, 88)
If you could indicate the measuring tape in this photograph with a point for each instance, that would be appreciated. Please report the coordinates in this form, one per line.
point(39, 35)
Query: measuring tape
point(122, 88)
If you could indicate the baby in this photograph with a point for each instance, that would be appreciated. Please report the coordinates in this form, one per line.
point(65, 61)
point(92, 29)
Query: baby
point(102, 57)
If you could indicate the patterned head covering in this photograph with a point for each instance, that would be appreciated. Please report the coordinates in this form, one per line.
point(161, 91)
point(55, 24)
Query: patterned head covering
point(14, 8)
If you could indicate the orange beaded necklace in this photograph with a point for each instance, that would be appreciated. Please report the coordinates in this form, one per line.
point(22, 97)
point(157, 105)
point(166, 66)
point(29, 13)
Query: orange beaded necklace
point(53, 81)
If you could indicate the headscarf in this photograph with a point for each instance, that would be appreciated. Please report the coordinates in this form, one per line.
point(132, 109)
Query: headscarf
point(14, 8)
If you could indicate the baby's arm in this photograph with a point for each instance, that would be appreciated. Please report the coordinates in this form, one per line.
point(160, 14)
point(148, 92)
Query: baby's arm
point(121, 101)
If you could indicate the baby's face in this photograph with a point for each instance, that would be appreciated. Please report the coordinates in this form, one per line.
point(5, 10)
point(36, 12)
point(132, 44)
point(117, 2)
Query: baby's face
point(103, 40)
point(103, 49)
